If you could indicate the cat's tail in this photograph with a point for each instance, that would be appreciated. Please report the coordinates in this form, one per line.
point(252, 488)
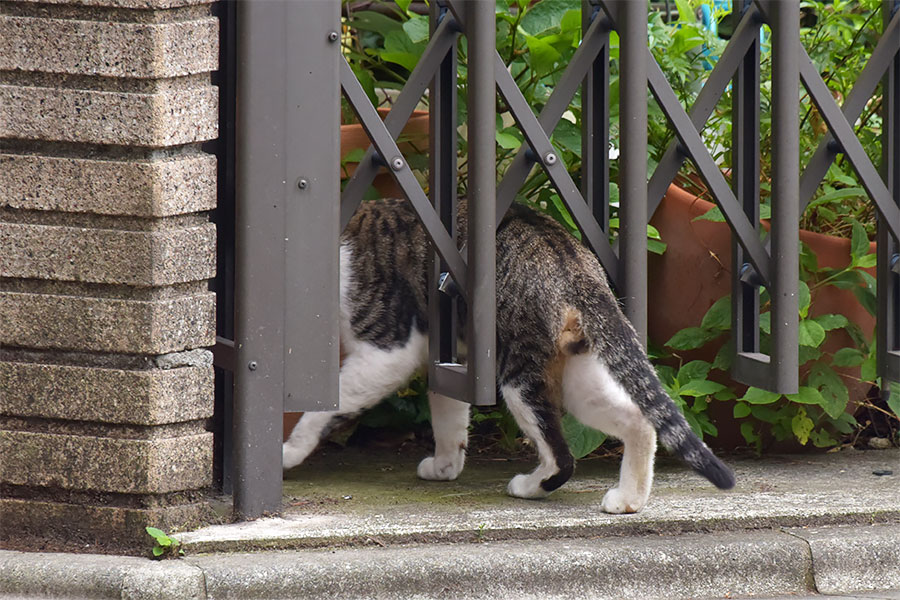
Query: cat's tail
point(615, 341)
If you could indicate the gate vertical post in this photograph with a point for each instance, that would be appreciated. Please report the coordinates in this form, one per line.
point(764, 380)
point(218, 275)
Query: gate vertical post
point(442, 315)
point(481, 285)
point(785, 194)
point(633, 163)
point(888, 270)
point(595, 124)
point(286, 234)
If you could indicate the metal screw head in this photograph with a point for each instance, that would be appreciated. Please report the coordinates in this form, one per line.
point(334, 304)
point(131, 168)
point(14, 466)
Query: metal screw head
point(303, 183)
point(333, 36)
point(396, 163)
point(550, 159)
point(252, 365)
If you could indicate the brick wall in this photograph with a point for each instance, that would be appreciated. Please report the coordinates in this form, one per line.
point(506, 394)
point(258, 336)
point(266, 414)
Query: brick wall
point(106, 250)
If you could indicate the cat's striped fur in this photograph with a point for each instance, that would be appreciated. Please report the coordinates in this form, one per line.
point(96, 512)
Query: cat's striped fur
point(563, 345)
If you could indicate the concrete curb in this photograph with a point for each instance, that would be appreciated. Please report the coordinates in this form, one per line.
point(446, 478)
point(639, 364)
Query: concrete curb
point(832, 560)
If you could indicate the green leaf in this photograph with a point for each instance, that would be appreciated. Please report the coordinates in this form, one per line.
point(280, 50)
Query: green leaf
point(685, 39)
point(508, 141)
point(582, 439)
point(866, 262)
point(741, 410)
point(369, 20)
point(811, 333)
point(832, 388)
point(803, 298)
point(724, 356)
point(765, 322)
point(802, 425)
point(859, 241)
point(404, 5)
point(544, 15)
point(866, 298)
point(568, 135)
point(749, 434)
point(829, 322)
point(756, 395)
point(691, 338)
point(848, 357)
point(821, 439)
point(416, 28)
point(868, 369)
point(158, 551)
point(696, 369)
point(714, 214)
point(893, 400)
point(541, 55)
point(656, 247)
point(156, 533)
point(700, 388)
point(807, 395)
point(719, 315)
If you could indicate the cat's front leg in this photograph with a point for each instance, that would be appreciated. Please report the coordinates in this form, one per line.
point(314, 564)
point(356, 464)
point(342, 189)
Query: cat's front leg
point(450, 423)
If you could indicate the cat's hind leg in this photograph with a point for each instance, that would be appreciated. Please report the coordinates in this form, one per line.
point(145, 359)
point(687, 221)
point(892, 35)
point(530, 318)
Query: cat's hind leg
point(539, 419)
point(594, 397)
point(450, 423)
point(368, 374)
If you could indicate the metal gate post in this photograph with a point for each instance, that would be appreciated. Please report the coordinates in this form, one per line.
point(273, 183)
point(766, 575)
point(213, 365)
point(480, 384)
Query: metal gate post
point(633, 162)
point(888, 270)
point(785, 194)
point(286, 238)
point(595, 123)
point(481, 327)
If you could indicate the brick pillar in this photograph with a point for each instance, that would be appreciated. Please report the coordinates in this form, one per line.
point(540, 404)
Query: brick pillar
point(106, 251)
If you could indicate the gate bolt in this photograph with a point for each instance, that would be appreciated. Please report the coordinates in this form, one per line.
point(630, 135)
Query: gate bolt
point(333, 36)
point(303, 183)
point(550, 158)
point(396, 163)
point(252, 365)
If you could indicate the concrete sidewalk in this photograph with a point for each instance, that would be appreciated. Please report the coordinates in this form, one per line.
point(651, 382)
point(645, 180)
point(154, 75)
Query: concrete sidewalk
point(360, 525)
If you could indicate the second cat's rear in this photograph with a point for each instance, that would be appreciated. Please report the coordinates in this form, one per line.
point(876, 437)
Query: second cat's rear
point(563, 345)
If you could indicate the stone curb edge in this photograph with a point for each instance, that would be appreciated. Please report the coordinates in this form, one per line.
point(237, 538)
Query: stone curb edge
point(828, 560)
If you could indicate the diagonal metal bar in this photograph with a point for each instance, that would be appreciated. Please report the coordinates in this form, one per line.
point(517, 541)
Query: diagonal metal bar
point(853, 106)
point(555, 169)
point(556, 105)
point(387, 147)
point(712, 175)
point(441, 43)
point(844, 134)
point(745, 34)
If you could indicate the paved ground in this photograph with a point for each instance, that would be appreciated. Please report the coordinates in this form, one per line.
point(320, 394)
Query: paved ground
point(360, 525)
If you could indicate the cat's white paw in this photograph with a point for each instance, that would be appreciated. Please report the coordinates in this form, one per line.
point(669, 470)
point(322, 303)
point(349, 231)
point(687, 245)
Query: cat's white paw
point(291, 456)
point(435, 469)
point(526, 486)
point(617, 502)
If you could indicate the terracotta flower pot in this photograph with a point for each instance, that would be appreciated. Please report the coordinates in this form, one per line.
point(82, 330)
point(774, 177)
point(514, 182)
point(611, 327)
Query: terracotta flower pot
point(695, 271)
point(414, 135)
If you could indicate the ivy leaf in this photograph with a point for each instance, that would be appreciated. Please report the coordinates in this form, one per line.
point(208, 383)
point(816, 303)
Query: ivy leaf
point(756, 395)
point(848, 357)
point(802, 425)
point(765, 322)
point(750, 436)
point(719, 315)
point(701, 388)
point(811, 333)
point(369, 20)
point(893, 400)
point(829, 322)
point(507, 141)
point(416, 28)
point(714, 214)
point(696, 369)
point(803, 299)
point(541, 55)
point(582, 439)
point(691, 338)
point(724, 357)
point(741, 410)
point(158, 551)
point(832, 388)
point(859, 242)
point(807, 395)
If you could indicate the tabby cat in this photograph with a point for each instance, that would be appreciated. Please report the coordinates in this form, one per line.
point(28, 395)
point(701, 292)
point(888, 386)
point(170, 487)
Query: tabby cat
point(563, 345)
